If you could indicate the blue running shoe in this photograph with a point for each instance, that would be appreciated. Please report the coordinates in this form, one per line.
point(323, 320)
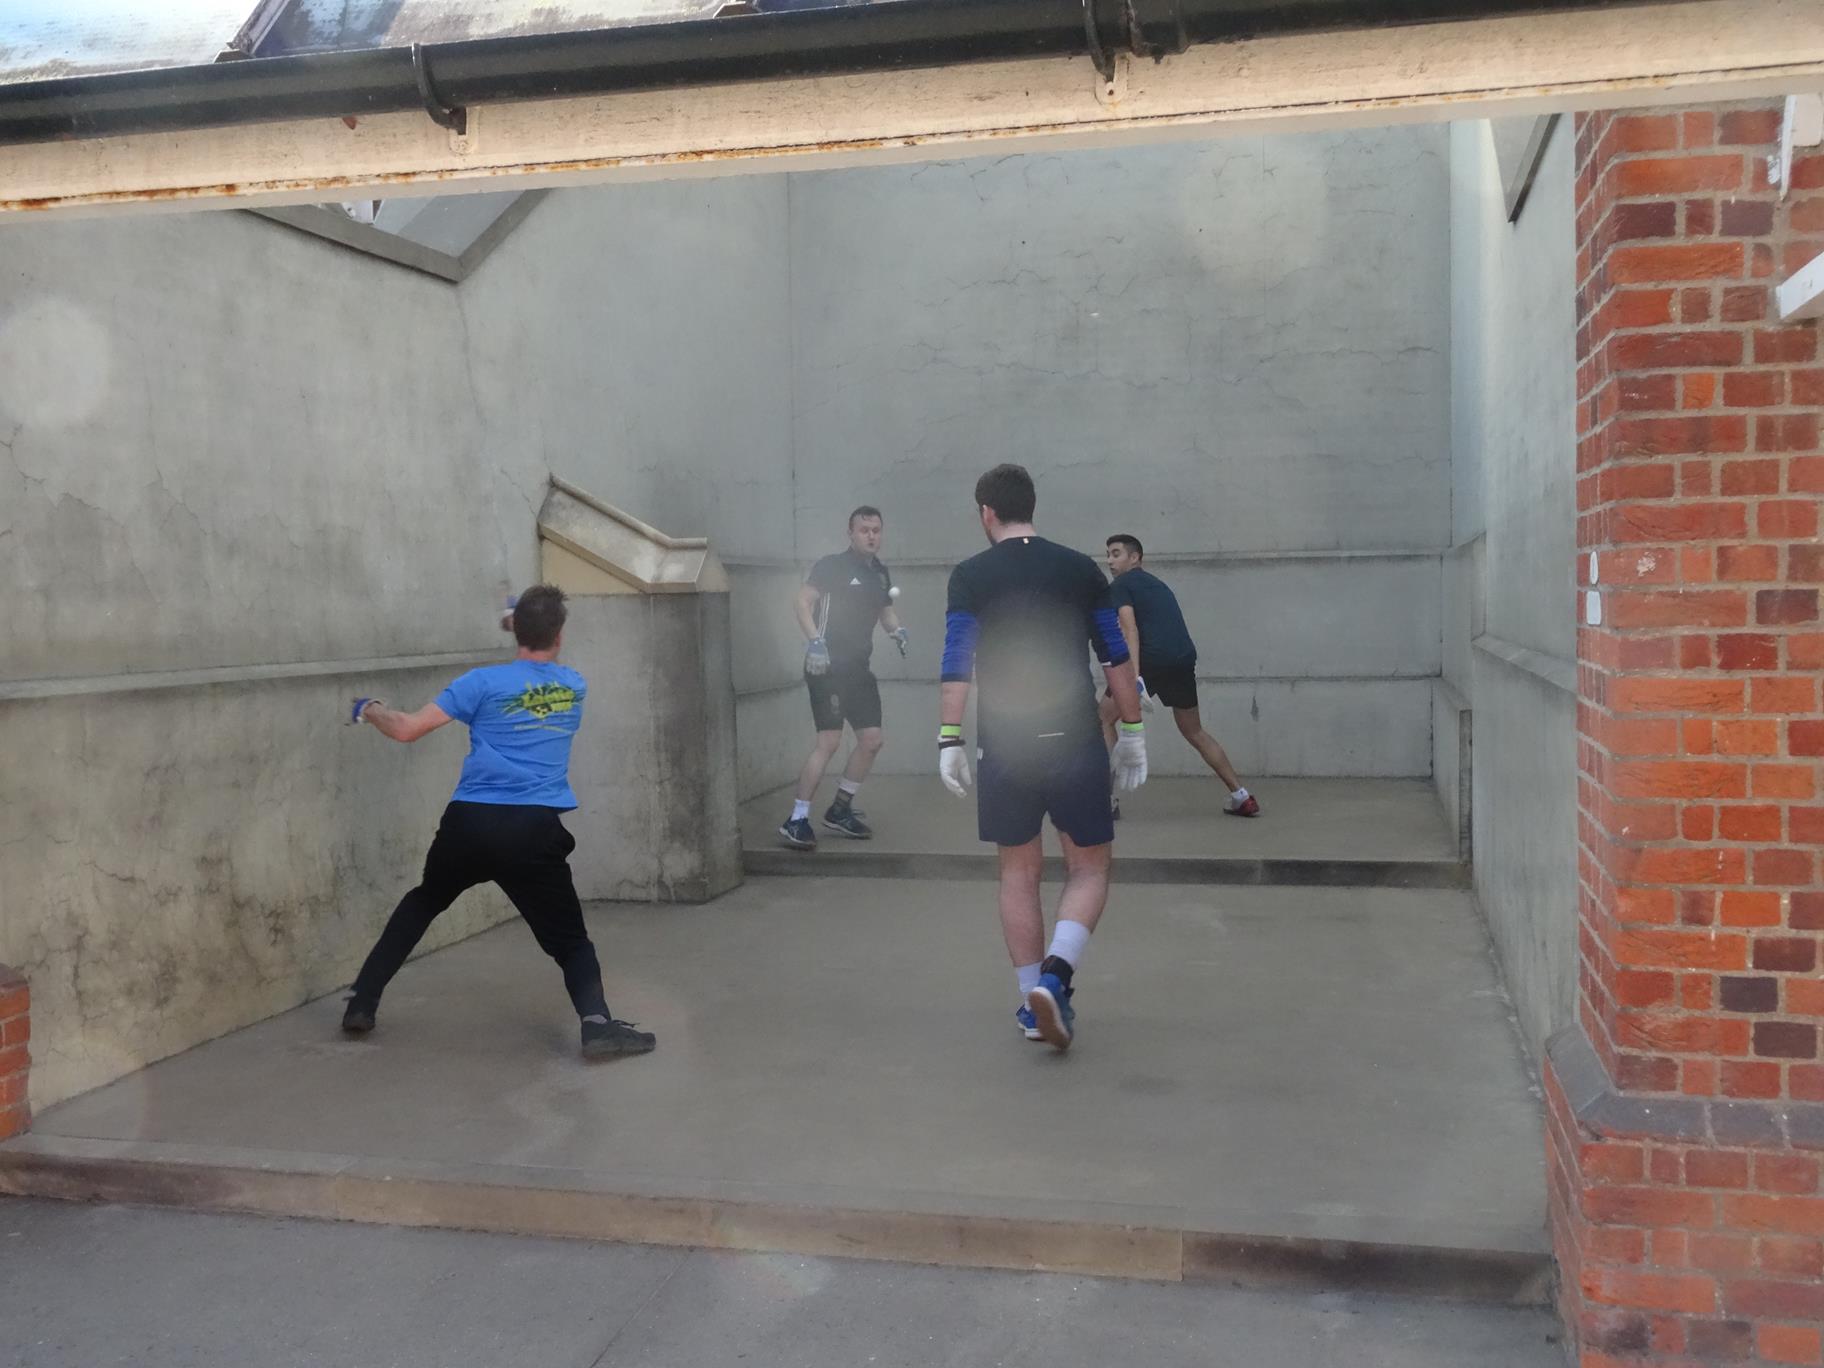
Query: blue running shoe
point(1051, 1011)
point(1028, 1026)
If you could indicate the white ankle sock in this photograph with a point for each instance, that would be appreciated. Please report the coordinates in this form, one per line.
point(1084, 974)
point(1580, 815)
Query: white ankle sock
point(801, 808)
point(1029, 978)
point(1240, 795)
point(1068, 941)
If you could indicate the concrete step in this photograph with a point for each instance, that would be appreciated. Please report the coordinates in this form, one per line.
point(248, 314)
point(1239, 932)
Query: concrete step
point(837, 857)
point(1088, 1239)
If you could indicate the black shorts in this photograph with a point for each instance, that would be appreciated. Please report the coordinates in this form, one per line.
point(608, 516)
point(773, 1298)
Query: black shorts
point(1069, 784)
point(849, 695)
point(1173, 685)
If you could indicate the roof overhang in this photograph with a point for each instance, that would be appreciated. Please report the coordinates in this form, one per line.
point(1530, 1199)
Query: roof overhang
point(1517, 63)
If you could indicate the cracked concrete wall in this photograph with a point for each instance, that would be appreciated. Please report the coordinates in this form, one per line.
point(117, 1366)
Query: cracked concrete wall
point(1236, 350)
point(1509, 576)
point(224, 443)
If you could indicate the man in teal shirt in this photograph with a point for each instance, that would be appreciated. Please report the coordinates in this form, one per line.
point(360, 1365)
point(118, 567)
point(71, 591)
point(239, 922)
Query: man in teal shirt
point(503, 824)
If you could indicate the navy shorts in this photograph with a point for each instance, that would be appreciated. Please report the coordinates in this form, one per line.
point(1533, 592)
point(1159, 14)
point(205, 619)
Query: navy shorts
point(846, 694)
point(1066, 781)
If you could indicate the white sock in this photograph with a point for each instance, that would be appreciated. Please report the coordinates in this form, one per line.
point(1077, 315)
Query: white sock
point(1069, 939)
point(801, 808)
point(1240, 796)
point(848, 786)
point(1029, 978)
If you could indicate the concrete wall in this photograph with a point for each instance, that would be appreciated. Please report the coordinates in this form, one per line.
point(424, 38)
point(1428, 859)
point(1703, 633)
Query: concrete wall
point(1510, 634)
point(1237, 351)
point(227, 445)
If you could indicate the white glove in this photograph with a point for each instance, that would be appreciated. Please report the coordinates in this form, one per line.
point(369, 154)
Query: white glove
point(817, 657)
point(1128, 760)
point(953, 765)
point(1146, 699)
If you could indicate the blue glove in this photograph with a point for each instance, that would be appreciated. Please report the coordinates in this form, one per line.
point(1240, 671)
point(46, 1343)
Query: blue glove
point(900, 639)
point(359, 706)
point(817, 657)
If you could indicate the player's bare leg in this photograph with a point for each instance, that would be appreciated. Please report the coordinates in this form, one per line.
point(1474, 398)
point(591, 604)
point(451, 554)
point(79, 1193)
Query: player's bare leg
point(1022, 914)
point(1081, 907)
point(1190, 726)
point(842, 817)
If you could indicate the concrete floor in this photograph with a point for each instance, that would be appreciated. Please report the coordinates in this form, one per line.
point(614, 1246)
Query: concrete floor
point(1306, 1062)
point(109, 1285)
point(1302, 819)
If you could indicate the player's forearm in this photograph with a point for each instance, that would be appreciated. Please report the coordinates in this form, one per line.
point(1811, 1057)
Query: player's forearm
point(390, 723)
point(1131, 635)
point(953, 702)
point(806, 622)
point(1124, 686)
point(889, 620)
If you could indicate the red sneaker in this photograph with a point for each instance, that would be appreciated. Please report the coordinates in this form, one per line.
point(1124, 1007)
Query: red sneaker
point(1247, 807)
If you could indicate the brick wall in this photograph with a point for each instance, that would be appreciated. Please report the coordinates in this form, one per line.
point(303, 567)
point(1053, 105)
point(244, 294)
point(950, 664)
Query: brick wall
point(15, 1057)
point(1686, 1108)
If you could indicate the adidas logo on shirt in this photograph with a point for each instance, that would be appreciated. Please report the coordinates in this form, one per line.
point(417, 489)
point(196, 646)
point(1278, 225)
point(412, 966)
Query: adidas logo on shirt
point(854, 584)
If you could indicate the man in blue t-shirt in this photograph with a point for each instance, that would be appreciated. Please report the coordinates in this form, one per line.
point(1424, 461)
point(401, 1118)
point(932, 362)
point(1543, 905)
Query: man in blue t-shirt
point(1153, 626)
point(503, 823)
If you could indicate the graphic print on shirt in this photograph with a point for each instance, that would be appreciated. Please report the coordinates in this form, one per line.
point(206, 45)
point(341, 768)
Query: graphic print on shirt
point(541, 701)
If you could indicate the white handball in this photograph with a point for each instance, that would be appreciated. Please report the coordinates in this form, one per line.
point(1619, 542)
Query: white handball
point(893, 593)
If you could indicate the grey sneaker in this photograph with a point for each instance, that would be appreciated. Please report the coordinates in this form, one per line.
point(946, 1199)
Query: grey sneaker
point(847, 822)
point(609, 1039)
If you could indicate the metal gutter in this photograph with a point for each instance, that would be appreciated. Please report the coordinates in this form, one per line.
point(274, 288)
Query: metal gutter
point(447, 78)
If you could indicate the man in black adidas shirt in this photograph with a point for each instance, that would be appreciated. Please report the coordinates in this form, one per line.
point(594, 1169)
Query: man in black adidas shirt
point(1019, 617)
point(839, 604)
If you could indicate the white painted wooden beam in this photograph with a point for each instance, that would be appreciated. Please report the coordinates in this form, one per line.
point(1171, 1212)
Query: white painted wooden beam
point(1803, 295)
point(1803, 126)
point(1657, 53)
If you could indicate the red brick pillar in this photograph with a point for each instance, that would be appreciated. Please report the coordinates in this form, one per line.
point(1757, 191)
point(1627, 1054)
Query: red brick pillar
point(1686, 1108)
point(15, 1056)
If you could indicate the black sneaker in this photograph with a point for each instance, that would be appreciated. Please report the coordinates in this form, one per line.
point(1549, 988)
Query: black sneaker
point(798, 835)
point(847, 822)
point(358, 1017)
point(610, 1039)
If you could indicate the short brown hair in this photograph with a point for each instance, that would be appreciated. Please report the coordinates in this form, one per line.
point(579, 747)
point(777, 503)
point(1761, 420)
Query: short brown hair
point(865, 511)
point(539, 616)
point(1007, 489)
point(1130, 541)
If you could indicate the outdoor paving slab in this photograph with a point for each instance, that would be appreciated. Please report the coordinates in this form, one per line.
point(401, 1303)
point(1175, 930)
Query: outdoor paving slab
point(120, 1287)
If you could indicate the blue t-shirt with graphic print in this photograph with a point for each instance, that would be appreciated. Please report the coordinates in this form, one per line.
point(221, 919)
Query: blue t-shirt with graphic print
point(522, 717)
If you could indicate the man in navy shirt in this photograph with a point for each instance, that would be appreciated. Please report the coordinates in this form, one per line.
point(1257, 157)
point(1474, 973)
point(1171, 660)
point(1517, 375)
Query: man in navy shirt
point(1161, 645)
point(502, 824)
point(842, 600)
point(1019, 616)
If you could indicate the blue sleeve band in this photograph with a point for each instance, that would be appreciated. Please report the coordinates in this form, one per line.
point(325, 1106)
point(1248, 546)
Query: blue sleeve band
point(960, 632)
point(1113, 646)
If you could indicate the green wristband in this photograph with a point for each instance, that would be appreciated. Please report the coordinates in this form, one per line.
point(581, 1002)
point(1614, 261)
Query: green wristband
point(1133, 728)
point(949, 729)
